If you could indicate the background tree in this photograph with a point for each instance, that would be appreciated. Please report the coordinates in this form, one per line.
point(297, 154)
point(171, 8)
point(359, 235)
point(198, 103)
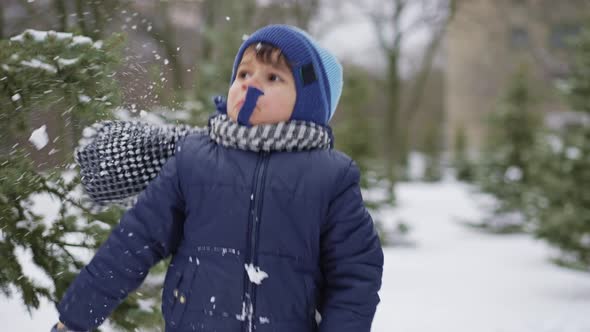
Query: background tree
point(68, 78)
point(355, 121)
point(503, 169)
point(560, 170)
point(398, 115)
point(462, 164)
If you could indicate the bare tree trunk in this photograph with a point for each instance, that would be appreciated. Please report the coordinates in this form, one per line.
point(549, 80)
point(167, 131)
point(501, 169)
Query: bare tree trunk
point(1, 21)
point(393, 90)
point(391, 121)
point(62, 14)
point(80, 17)
point(426, 65)
point(163, 34)
point(166, 36)
point(398, 117)
point(99, 19)
point(304, 11)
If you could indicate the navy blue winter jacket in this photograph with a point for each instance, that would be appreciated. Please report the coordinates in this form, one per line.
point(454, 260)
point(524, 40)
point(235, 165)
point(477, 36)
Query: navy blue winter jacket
point(297, 216)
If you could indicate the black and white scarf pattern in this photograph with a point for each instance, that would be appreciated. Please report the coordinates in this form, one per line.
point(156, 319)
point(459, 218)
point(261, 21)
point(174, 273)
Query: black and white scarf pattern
point(118, 159)
point(285, 136)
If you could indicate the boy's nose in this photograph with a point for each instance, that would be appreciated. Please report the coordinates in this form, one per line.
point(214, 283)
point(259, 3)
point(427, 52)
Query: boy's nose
point(251, 81)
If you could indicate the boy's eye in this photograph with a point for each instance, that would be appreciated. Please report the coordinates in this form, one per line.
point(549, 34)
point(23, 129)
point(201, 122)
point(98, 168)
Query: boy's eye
point(243, 74)
point(274, 78)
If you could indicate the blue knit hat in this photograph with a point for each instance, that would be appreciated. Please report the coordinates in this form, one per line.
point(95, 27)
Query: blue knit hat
point(317, 73)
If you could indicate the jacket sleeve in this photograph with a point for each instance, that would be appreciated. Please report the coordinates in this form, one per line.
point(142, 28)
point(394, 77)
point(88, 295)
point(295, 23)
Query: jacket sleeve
point(147, 233)
point(351, 259)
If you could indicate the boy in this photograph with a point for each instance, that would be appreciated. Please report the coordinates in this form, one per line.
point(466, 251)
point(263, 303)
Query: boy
point(264, 220)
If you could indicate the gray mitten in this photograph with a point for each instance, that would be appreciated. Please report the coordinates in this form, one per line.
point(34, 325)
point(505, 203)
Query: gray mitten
point(118, 159)
point(61, 329)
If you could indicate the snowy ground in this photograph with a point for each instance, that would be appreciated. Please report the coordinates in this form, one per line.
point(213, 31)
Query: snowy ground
point(458, 279)
point(455, 279)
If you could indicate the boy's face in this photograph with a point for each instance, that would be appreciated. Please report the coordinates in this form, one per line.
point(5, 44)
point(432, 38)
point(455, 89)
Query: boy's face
point(277, 83)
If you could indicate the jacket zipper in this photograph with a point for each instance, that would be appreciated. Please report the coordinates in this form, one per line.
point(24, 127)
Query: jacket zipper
point(255, 218)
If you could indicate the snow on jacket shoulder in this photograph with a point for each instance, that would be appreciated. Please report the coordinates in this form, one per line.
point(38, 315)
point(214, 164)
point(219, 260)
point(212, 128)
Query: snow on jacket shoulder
point(259, 242)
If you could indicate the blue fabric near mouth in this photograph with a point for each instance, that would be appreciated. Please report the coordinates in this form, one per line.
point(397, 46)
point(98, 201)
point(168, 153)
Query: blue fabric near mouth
point(249, 104)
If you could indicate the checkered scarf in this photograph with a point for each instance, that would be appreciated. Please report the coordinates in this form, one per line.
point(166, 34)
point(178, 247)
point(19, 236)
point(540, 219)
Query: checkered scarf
point(118, 159)
point(285, 136)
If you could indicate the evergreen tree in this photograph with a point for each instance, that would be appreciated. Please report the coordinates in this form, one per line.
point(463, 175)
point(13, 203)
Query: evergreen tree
point(463, 166)
point(560, 171)
point(354, 130)
point(223, 28)
point(353, 124)
point(69, 77)
point(432, 152)
point(503, 169)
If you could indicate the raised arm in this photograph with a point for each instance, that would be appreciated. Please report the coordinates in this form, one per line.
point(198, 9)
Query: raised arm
point(147, 233)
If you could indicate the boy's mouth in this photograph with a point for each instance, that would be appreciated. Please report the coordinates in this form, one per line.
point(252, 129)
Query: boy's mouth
point(247, 105)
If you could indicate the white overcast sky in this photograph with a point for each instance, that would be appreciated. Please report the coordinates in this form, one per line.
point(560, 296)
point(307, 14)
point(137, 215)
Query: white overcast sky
point(343, 28)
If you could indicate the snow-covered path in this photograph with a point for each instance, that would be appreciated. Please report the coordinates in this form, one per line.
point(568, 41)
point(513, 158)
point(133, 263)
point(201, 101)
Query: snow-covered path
point(458, 279)
point(455, 279)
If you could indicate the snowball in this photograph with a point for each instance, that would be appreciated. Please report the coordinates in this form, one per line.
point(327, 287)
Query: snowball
point(255, 274)
point(39, 137)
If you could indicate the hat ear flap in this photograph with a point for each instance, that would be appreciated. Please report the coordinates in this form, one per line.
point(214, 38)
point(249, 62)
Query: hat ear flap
point(220, 104)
